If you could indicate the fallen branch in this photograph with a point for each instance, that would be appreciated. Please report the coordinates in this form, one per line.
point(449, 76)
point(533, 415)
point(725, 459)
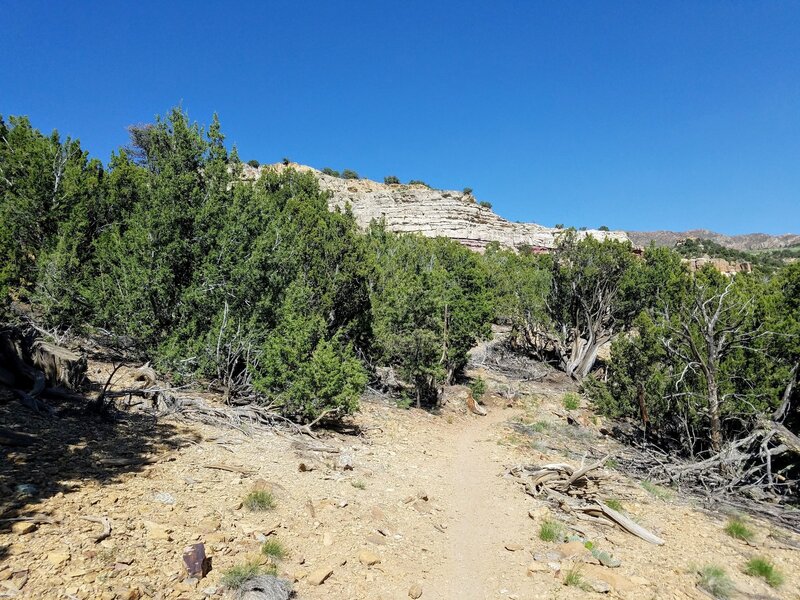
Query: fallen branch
point(231, 468)
point(571, 489)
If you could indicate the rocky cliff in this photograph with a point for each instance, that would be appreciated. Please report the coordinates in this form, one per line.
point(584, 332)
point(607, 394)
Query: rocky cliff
point(447, 213)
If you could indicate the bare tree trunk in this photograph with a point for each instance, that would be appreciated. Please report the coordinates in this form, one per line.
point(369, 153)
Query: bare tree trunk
point(713, 413)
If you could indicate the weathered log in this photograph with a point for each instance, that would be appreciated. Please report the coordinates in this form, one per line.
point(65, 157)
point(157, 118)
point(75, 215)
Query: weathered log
point(626, 523)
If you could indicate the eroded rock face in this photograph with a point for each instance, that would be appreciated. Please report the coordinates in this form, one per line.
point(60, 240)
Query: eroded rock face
point(434, 213)
point(720, 264)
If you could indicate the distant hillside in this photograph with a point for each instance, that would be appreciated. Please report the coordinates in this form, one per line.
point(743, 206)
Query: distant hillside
point(748, 241)
point(417, 208)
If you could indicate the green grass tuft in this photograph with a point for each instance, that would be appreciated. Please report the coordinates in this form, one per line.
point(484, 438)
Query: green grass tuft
point(235, 577)
point(259, 500)
point(574, 578)
point(550, 531)
point(716, 582)
point(571, 401)
point(358, 484)
point(738, 529)
point(273, 547)
point(656, 490)
point(614, 504)
point(763, 567)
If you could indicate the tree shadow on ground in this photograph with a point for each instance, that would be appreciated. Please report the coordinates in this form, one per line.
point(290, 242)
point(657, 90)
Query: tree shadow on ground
point(68, 450)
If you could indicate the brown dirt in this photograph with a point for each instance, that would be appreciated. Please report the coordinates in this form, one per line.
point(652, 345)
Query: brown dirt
point(454, 544)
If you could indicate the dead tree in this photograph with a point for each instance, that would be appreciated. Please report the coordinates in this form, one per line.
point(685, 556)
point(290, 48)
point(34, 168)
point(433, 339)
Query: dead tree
point(710, 325)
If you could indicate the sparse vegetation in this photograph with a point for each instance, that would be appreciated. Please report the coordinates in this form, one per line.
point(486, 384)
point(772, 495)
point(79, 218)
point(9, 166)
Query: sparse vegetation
point(235, 577)
point(656, 490)
point(551, 531)
point(574, 578)
point(418, 182)
point(467, 191)
point(478, 387)
point(259, 501)
point(486, 204)
point(614, 504)
point(603, 228)
point(764, 568)
point(716, 582)
point(358, 484)
point(331, 172)
point(391, 180)
point(254, 163)
point(274, 549)
point(571, 401)
point(737, 528)
point(349, 174)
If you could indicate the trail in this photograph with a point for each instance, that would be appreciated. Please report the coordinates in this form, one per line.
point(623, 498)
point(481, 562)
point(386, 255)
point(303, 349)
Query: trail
point(483, 514)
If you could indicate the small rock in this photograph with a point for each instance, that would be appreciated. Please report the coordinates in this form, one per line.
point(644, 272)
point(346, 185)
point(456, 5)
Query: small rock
point(345, 462)
point(368, 558)
point(599, 586)
point(422, 495)
point(23, 527)
point(26, 489)
point(195, 561)
point(156, 531)
point(376, 539)
point(318, 576)
point(327, 539)
point(572, 549)
point(164, 498)
point(538, 567)
point(415, 591)
point(58, 558)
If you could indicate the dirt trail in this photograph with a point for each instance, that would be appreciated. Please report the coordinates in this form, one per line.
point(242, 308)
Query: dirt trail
point(426, 498)
point(483, 511)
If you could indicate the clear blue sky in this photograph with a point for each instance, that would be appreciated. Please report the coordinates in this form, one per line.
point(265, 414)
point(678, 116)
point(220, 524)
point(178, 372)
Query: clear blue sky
point(637, 115)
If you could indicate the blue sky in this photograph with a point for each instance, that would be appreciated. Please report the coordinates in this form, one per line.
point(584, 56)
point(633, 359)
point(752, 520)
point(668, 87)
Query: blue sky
point(636, 115)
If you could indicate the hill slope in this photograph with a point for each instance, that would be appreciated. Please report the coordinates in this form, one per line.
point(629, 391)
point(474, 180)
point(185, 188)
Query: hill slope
point(748, 241)
point(419, 209)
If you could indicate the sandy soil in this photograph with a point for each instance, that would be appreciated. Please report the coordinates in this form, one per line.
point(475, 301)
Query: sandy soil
point(427, 496)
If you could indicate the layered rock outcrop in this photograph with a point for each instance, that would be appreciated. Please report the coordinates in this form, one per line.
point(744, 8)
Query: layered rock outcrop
point(434, 213)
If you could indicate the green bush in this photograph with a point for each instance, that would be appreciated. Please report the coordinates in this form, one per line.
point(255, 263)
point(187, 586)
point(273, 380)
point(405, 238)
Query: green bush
point(418, 182)
point(603, 228)
point(571, 401)
point(391, 179)
point(254, 163)
point(467, 191)
point(348, 174)
point(478, 387)
point(485, 204)
point(331, 172)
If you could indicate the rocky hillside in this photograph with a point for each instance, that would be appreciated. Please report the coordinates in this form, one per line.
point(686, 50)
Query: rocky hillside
point(419, 209)
point(749, 241)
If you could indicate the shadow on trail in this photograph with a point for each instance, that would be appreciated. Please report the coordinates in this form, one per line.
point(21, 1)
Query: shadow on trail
point(63, 452)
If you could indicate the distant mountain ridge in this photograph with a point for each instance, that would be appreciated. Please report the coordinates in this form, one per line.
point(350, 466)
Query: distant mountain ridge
point(747, 241)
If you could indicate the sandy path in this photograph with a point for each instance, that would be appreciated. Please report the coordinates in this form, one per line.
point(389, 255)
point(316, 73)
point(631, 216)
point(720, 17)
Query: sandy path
point(484, 513)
